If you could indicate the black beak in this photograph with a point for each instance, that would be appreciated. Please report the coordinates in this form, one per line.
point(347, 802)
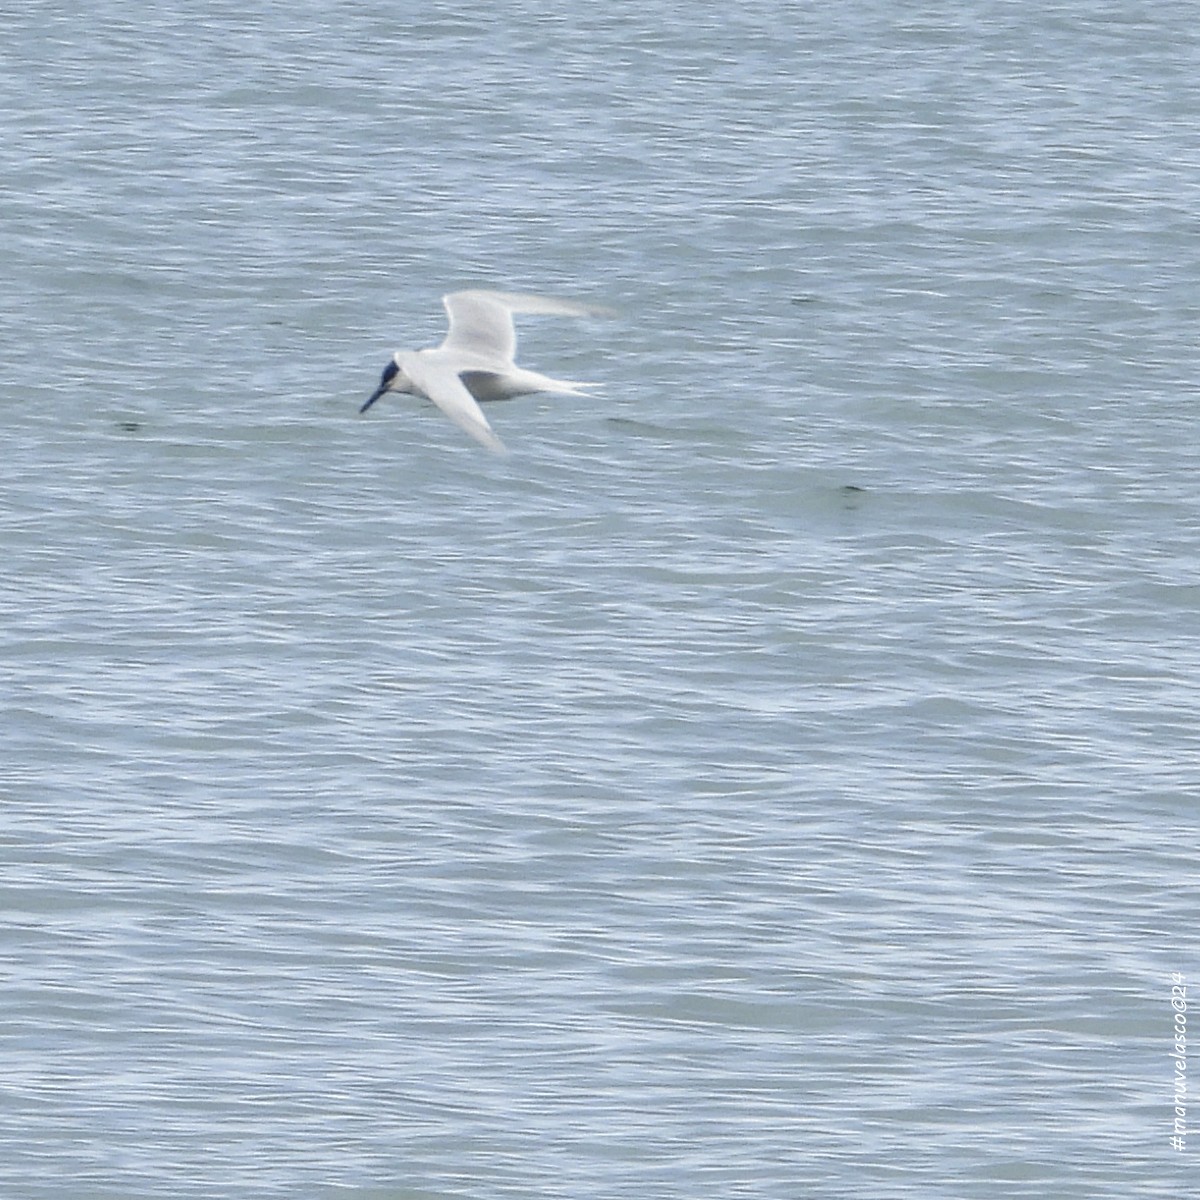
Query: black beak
point(374, 396)
point(385, 384)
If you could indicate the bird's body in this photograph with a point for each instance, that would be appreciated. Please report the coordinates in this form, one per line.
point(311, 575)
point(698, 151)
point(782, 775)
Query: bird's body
point(475, 362)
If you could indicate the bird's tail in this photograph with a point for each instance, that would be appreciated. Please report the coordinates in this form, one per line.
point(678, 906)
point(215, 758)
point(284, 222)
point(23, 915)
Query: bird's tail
point(569, 387)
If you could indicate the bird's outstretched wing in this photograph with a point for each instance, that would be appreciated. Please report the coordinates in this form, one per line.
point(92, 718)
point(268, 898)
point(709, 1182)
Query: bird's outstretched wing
point(481, 322)
point(449, 393)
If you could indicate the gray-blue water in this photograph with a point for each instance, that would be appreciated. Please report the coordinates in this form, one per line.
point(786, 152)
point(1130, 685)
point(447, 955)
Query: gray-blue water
point(777, 779)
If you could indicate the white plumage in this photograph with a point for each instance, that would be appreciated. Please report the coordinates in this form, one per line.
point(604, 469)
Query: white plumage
point(475, 361)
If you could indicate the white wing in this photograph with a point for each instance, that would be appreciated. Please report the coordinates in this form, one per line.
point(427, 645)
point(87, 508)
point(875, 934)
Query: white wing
point(443, 386)
point(481, 322)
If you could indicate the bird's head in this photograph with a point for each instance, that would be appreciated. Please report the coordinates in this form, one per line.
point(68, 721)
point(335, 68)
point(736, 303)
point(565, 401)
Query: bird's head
point(393, 379)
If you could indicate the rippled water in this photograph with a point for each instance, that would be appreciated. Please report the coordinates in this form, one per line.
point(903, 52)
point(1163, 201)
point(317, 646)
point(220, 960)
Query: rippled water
point(777, 778)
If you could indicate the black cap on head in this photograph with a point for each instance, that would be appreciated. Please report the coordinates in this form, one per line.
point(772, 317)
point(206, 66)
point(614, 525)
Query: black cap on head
point(385, 382)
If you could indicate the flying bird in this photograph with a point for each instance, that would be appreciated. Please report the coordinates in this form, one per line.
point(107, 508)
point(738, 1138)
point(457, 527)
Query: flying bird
point(475, 362)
